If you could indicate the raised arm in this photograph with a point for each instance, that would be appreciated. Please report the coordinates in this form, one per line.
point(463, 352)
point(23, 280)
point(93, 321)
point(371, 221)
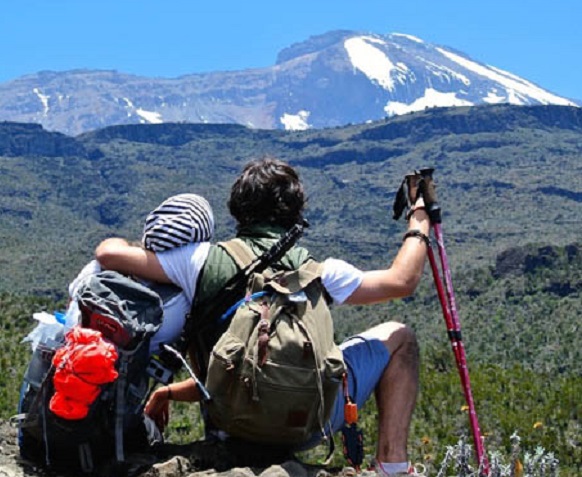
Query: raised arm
point(119, 255)
point(402, 277)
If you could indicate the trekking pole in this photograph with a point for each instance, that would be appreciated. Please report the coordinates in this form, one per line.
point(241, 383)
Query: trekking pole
point(446, 296)
point(448, 304)
point(278, 250)
point(201, 388)
point(260, 264)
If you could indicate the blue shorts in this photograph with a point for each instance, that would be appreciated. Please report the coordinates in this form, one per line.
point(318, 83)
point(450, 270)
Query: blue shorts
point(366, 359)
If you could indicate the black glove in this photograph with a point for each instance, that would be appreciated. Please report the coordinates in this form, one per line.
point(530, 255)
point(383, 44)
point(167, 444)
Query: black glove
point(407, 194)
point(416, 184)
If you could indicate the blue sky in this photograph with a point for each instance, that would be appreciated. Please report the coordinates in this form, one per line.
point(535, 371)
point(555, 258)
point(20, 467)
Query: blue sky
point(538, 40)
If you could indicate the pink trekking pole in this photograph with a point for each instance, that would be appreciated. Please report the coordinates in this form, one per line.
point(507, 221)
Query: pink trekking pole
point(446, 296)
point(449, 307)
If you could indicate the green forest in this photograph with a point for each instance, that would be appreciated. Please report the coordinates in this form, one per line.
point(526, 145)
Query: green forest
point(510, 186)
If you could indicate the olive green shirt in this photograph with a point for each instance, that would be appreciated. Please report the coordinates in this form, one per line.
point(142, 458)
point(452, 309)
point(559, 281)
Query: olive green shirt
point(220, 267)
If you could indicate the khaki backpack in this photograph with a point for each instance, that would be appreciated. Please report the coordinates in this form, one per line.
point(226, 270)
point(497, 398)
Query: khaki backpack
point(274, 374)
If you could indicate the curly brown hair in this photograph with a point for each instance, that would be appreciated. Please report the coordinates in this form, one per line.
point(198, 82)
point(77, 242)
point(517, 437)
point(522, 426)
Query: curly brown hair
point(267, 191)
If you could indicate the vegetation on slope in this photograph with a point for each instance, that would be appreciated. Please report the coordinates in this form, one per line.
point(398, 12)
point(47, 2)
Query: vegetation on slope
point(519, 321)
point(509, 182)
point(506, 176)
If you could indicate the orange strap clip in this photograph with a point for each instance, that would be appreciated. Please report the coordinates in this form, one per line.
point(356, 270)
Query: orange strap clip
point(350, 407)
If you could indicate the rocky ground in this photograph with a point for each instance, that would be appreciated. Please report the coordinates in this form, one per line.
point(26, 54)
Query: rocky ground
point(198, 459)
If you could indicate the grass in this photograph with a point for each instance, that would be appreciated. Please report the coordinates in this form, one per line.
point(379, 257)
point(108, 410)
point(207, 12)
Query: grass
point(455, 460)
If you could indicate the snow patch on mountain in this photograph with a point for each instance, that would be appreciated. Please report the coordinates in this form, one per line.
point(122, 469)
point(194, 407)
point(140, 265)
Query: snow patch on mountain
point(517, 89)
point(371, 61)
point(431, 99)
point(295, 122)
point(408, 37)
point(445, 73)
point(129, 105)
point(493, 98)
point(43, 99)
point(151, 117)
point(506, 73)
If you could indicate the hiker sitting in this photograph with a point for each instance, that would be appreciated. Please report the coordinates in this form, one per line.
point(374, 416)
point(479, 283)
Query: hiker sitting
point(266, 200)
point(90, 383)
point(179, 220)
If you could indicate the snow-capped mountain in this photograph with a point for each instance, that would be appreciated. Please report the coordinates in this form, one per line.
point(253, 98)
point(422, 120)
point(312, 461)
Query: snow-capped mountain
point(329, 80)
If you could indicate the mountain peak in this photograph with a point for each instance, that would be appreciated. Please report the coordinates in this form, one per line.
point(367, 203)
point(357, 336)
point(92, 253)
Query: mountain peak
point(313, 44)
point(328, 80)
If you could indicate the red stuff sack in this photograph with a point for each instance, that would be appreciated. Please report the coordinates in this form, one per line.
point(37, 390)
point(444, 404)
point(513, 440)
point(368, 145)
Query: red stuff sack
point(82, 365)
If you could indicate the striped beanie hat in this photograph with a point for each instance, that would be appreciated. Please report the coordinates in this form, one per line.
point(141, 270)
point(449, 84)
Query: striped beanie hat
point(181, 219)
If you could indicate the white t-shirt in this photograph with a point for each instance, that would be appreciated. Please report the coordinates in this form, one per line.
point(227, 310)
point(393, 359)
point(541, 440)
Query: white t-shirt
point(176, 308)
point(175, 311)
point(182, 266)
point(340, 279)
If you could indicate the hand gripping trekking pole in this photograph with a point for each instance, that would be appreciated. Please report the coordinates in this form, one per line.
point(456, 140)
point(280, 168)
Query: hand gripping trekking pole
point(204, 394)
point(446, 296)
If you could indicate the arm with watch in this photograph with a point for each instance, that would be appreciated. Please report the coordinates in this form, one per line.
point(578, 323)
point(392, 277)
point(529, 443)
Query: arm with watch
point(158, 405)
point(401, 278)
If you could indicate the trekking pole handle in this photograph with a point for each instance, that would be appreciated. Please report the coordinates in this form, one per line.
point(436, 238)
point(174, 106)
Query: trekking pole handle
point(417, 183)
point(279, 249)
point(406, 195)
point(426, 188)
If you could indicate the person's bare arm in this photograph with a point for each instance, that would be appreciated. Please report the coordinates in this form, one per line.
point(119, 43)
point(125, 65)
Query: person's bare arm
point(158, 407)
point(117, 254)
point(403, 276)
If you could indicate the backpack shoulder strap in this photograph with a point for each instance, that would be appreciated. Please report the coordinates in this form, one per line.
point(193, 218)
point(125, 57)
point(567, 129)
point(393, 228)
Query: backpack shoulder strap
point(312, 266)
point(239, 251)
point(315, 268)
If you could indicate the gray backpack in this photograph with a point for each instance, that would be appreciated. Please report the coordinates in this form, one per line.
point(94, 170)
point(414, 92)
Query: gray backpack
point(127, 314)
point(274, 374)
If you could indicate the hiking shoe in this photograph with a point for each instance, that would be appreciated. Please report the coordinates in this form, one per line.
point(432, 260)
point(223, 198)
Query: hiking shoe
point(417, 470)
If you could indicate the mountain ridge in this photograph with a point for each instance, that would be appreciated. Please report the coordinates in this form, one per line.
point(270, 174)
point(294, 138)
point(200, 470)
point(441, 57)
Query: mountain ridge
point(334, 79)
point(497, 166)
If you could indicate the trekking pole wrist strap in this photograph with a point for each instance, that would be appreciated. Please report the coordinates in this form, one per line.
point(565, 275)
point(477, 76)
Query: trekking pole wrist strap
point(417, 233)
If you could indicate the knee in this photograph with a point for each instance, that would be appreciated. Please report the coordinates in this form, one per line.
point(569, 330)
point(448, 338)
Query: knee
point(409, 344)
point(403, 342)
point(397, 337)
point(407, 335)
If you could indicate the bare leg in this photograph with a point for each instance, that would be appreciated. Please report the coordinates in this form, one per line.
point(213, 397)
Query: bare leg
point(396, 392)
